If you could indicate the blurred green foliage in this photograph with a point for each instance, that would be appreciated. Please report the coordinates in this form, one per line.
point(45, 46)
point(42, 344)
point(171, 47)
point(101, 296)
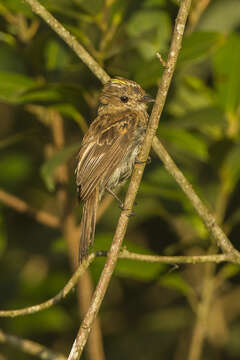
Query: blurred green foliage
point(152, 304)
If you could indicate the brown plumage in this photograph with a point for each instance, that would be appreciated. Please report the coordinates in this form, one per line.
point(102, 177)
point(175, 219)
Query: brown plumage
point(109, 149)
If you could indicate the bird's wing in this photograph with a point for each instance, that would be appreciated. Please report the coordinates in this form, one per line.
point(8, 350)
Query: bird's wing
point(103, 148)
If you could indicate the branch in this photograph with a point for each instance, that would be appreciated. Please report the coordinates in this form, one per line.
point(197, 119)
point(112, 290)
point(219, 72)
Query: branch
point(195, 259)
point(123, 254)
point(209, 220)
point(53, 301)
point(30, 347)
point(22, 207)
point(107, 272)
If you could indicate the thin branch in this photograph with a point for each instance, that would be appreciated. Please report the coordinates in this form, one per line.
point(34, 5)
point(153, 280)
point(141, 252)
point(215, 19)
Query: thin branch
point(61, 295)
point(123, 254)
point(22, 207)
point(163, 62)
point(30, 347)
point(195, 259)
point(107, 272)
point(209, 220)
point(69, 39)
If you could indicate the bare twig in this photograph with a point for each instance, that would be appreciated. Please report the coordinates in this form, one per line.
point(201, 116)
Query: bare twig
point(195, 259)
point(30, 347)
point(61, 295)
point(123, 254)
point(22, 207)
point(209, 220)
point(85, 328)
point(163, 62)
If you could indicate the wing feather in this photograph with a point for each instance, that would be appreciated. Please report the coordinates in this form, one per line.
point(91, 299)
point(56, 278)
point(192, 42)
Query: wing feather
point(102, 152)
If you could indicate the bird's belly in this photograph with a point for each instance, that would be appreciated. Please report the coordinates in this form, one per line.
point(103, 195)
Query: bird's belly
point(124, 170)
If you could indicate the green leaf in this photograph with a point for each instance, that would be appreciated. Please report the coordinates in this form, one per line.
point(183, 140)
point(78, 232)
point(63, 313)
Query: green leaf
point(56, 56)
point(139, 270)
point(194, 145)
point(11, 59)
point(175, 281)
point(91, 6)
point(54, 319)
point(151, 29)
point(16, 7)
point(230, 270)
point(198, 45)
point(151, 74)
point(134, 269)
point(150, 3)
point(67, 9)
point(227, 75)
point(208, 120)
point(67, 109)
point(12, 140)
point(13, 85)
point(60, 157)
point(47, 94)
point(14, 168)
point(190, 94)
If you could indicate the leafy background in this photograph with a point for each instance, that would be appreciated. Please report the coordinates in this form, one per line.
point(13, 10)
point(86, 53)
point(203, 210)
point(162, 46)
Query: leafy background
point(150, 309)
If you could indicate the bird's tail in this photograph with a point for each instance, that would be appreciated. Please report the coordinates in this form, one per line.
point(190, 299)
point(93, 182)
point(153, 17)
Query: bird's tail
point(88, 224)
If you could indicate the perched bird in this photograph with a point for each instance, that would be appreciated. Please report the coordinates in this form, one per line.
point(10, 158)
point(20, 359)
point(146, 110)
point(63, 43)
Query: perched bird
point(109, 149)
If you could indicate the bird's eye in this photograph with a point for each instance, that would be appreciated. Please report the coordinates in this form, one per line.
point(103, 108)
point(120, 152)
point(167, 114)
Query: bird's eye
point(124, 99)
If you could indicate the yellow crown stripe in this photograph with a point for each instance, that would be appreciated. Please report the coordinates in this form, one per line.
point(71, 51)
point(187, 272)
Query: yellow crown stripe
point(118, 81)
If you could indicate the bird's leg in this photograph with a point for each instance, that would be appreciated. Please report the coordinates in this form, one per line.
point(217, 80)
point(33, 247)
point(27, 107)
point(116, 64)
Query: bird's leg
point(115, 197)
point(148, 161)
point(121, 205)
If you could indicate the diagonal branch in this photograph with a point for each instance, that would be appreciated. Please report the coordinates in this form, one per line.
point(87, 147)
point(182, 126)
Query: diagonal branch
point(61, 295)
point(208, 219)
point(123, 254)
point(107, 272)
point(189, 259)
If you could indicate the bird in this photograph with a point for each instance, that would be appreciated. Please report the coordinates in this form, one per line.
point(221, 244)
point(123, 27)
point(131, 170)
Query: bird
point(109, 150)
